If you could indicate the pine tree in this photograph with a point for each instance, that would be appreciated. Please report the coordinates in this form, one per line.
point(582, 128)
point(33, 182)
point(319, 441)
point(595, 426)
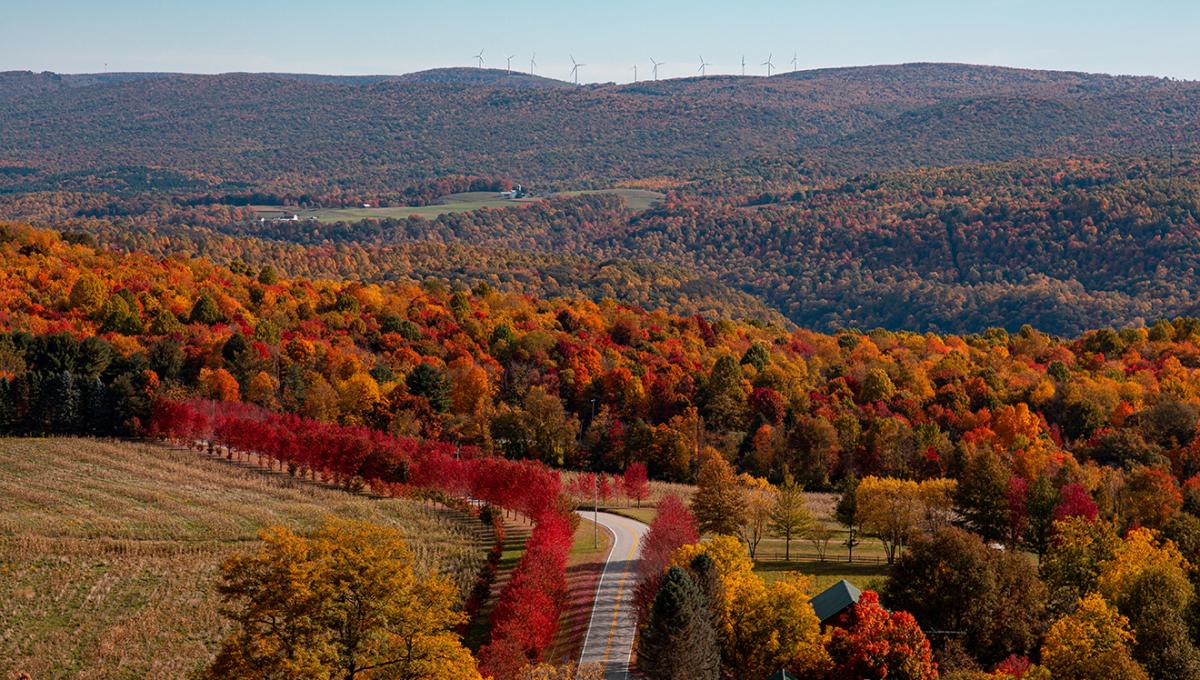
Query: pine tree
point(678, 640)
point(95, 355)
point(1040, 500)
point(8, 409)
point(94, 415)
point(708, 579)
point(60, 403)
point(725, 396)
point(430, 382)
point(982, 498)
point(205, 311)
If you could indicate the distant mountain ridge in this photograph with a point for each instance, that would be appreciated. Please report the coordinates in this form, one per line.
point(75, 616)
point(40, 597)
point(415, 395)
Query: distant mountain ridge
point(368, 132)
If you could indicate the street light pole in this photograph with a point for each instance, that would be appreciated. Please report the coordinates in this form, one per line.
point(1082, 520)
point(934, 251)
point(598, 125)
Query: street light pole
point(595, 495)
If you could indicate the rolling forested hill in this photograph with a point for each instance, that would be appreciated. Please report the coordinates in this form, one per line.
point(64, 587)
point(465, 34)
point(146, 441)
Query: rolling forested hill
point(939, 197)
point(293, 132)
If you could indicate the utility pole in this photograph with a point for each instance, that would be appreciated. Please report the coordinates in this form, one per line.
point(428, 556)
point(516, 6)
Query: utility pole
point(595, 494)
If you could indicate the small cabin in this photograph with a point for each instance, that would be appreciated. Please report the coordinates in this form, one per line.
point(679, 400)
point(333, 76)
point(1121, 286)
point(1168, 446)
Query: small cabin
point(830, 603)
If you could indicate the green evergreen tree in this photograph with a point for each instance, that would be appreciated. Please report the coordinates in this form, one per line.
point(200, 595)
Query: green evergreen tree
point(60, 404)
point(982, 497)
point(95, 354)
point(877, 386)
point(268, 276)
point(678, 641)
point(724, 396)
point(757, 355)
point(165, 323)
point(706, 576)
point(430, 382)
point(120, 317)
point(1040, 499)
point(94, 418)
point(205, 311)
point(166, 359)
point(8, 408)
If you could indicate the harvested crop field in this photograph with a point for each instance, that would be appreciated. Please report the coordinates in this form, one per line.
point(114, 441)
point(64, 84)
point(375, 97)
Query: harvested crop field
point(109, 551)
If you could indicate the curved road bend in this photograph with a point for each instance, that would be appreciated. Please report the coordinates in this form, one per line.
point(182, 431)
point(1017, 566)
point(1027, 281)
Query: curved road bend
point(612, 627)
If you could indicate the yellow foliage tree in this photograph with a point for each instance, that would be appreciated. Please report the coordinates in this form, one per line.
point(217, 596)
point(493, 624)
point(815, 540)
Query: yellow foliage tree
point(342, 603)
point(1137, 554)
point(1092, 642)
point(357, 395)
point(762, 627)
point(469, 386)
point(320, 399)
point(88, 294)
point(262, 390)
point(771, 627)
point(759, 497)
point(937, 497)
point(718, 504)
point(889, 509)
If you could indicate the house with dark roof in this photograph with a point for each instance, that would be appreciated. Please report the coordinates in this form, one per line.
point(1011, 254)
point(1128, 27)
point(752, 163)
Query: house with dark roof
point(834, 600)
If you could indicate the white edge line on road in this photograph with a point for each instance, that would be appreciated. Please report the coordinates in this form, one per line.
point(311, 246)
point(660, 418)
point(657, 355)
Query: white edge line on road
point(638, 535)
point(599, 584)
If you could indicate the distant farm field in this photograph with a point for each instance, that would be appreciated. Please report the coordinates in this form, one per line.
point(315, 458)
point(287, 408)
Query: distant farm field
point(637, 200)
point(109, 551)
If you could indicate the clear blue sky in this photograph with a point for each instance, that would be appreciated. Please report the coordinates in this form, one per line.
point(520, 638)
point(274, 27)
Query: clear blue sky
point(1145, 37)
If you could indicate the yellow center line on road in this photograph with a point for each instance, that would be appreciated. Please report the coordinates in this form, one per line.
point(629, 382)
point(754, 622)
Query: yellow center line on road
point(620, 587)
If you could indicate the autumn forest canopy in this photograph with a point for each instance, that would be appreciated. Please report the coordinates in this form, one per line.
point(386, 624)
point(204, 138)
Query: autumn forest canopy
point(939, 197)
point(957, 302)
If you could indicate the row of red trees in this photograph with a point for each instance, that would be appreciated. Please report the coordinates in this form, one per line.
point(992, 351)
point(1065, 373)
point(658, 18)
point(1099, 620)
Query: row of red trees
point(525, 619)
point(633, 484)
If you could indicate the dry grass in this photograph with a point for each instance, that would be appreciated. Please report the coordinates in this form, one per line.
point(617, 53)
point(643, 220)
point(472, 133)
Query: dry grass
point(109, 551)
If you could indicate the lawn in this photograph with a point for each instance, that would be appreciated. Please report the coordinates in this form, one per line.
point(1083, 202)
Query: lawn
point(825, 574)
point(517, 529)
point(109, 551)
point(636, 199)
point(464, 202)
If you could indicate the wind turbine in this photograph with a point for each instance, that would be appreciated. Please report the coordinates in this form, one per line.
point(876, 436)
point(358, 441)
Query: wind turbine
point(703, 65)
point(532, 62)
point(769, 64)
point(743, 64)
point(635, 73)
point(480, 58)
point(794, 61)
point(509, 60)
point(656, 65)
point(575, 69)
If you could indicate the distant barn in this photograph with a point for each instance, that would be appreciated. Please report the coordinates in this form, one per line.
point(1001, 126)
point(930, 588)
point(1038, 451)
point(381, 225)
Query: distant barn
point(835, 600)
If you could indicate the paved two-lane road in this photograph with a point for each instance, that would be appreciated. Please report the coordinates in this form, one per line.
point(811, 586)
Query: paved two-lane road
point(613, 624)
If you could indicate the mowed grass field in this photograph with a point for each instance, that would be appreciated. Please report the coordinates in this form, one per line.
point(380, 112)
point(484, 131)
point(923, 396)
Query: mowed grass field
point(868, 568)
point(637, 200)
point(109, 551)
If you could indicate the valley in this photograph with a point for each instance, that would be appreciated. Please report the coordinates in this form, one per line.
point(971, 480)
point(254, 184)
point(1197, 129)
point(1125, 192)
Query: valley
point(593, 368)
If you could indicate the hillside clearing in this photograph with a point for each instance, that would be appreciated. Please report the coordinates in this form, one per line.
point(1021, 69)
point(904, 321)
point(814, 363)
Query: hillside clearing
point(109, 551)
point(637, 200)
